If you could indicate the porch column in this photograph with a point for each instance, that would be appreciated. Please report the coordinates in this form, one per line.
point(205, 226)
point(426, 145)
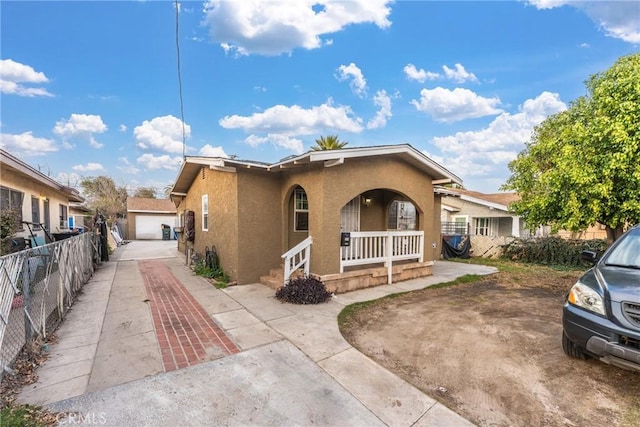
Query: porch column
point(515, 226)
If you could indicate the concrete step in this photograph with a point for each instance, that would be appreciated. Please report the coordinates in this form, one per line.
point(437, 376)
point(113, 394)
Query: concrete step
point(272, 282)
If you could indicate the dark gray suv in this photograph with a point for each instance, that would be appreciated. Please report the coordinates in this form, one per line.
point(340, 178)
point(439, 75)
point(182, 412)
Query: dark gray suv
point(601, 316)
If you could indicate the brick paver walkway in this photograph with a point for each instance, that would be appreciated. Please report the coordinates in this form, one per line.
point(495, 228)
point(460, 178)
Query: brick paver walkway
point(186, 333)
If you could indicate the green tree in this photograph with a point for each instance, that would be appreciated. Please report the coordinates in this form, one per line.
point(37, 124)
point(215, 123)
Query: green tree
point(145, 192)
point(104, 196)
point(9, 225)
point(582, 166)
point(331, 142)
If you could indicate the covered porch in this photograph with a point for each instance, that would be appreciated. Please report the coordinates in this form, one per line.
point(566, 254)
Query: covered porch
point(381, 240)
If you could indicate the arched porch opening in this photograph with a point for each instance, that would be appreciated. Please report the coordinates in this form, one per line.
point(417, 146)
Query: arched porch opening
point(380, 227)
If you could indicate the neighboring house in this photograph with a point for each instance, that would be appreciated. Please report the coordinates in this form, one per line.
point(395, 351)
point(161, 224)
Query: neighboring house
point(146, 217)
point(259, 216)
point(487, 219)
point(480, 214)
point(38, 198)
point(77, 214)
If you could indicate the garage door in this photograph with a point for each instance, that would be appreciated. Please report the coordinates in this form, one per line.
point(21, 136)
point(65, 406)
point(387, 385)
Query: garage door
point(149, 227)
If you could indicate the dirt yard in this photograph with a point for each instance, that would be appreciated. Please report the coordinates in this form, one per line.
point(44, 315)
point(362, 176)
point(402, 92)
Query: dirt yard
point(491, 351)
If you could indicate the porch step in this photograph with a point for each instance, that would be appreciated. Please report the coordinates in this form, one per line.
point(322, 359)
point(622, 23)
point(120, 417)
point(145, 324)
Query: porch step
point(275, 279)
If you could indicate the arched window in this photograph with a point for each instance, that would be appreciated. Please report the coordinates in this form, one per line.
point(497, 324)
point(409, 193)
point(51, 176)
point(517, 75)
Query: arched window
point(300, 210)
point(401, 216)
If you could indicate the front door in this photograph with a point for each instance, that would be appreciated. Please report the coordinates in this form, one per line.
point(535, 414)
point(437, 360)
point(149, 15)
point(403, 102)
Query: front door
point(350, 221)
point(350, 216)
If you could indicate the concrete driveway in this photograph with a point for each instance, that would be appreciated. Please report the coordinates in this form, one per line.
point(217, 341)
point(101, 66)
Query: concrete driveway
point(125, 358)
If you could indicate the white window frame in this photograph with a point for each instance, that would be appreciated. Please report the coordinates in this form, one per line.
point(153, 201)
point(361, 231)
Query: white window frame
point(486, 227)
point(63, 211)
point(296, 210)
point(35, 212)
point(205, 212)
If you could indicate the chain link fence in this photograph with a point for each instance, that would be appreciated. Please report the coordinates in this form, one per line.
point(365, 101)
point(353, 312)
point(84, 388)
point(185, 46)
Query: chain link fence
point(37, 287)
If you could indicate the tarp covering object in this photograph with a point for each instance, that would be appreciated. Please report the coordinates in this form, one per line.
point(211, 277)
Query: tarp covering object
point(456, 247)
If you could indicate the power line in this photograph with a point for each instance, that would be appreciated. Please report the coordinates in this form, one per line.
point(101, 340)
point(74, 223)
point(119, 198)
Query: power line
point(184, 140)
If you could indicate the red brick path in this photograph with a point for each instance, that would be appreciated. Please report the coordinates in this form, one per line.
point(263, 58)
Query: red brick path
point(184, 329)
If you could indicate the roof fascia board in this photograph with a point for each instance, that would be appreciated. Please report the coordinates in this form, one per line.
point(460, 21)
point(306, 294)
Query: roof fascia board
point(31, 172)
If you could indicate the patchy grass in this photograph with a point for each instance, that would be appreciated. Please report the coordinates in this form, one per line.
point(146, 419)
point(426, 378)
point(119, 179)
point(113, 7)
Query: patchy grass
point(26, 416)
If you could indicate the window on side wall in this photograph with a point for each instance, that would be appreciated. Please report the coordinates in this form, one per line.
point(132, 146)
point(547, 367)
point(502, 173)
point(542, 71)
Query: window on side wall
point(482, 227)
point(301, 210)
point(64, 217)
point(35, 212)
point(11, 199)
point(205, 212)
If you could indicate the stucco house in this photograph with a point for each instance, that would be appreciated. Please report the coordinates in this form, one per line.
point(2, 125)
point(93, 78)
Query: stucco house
point(480, 214)
point(38, 198)
point(355, 217)
point(483, 214)
point(146, 217)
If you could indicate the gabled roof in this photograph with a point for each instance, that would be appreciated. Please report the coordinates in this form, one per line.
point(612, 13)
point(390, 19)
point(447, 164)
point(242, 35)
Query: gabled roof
point(8, 160)
point(492, 200)
point(143, 204)
point(192, 164)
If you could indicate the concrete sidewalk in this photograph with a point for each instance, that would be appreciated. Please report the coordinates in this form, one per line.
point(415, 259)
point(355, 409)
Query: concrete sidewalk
point(293, 366)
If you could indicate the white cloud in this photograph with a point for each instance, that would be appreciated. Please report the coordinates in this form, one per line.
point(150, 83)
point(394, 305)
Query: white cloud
point(382, 100)
point(13, 74)
point(478, 153)
point(446, 105)
point(618, 19)
point(127, 167)
point(278, 140)
point(123, 128)
point(27, 144)
point(161, 133)
point(80, 126)
point(149, 161)
point(211, 151)
point(280, 123)
point(420, 75)
point(357, 82)
point(89, 167)
point(459, 74)
point(280, 26)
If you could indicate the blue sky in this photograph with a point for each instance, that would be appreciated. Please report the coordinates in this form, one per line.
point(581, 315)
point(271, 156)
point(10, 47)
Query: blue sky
point(91, 88)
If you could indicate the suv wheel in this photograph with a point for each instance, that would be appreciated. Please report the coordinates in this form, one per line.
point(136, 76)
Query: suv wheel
point(571, 349)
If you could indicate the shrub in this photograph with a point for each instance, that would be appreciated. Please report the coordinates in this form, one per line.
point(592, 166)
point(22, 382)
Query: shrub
point(303, 290)
point(551, 250)
point(9, 225)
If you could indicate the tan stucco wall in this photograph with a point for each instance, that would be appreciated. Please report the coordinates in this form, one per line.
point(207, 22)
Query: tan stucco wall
point(19, 182)
point(221, 188)
point(245, 218)
point(260, 219)
point(251, 211)
point(329, 189)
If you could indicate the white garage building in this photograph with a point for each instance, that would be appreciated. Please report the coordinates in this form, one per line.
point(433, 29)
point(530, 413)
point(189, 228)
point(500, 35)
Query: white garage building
point(145, 218)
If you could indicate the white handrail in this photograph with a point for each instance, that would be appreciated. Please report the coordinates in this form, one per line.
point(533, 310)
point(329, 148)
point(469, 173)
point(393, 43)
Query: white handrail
point(296, 257)
point(369, 247)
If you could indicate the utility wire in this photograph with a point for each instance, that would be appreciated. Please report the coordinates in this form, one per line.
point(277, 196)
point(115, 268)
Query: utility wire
point(184, 139)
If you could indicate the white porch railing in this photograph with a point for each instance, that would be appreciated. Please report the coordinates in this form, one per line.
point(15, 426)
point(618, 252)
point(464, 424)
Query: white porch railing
point(370, 247)
point(296, 257)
